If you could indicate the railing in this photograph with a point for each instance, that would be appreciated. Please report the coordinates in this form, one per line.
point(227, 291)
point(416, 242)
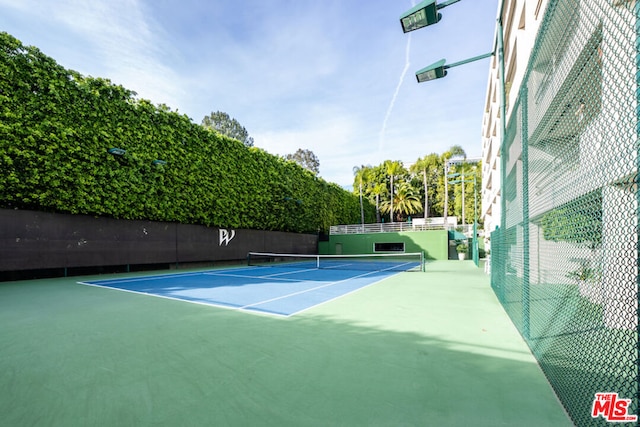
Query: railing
point(385, 227)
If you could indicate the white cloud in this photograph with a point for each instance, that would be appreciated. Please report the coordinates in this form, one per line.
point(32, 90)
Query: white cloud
point(124, 45)
point(327, 76)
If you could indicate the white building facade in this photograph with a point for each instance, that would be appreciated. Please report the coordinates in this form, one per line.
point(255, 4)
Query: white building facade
point(520, 23)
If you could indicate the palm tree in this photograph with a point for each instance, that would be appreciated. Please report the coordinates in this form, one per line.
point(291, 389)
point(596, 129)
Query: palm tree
point(361, 177)
point(376, 191)
point(393, 169)
point(426, 166)
point(407, 200)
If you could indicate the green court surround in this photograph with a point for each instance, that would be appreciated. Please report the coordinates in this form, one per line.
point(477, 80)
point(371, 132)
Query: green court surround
point(418, 349)
point(434, 243)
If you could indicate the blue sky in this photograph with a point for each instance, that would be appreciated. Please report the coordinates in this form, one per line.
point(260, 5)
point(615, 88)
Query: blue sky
point(333, 76)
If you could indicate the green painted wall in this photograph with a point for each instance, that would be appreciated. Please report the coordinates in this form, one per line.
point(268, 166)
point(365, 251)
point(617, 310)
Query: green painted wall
point(434, 243)
point(323, 248)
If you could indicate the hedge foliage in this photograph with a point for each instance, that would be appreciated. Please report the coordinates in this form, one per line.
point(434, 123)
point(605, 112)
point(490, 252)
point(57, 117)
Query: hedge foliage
point(57, 125)
point(579, 221)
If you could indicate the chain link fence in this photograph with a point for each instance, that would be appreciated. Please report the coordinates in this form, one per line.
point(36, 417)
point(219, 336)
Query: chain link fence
point(565, 259)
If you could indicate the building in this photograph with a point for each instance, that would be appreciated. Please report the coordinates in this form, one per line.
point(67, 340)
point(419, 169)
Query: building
point(521, 20)
point(561, 191)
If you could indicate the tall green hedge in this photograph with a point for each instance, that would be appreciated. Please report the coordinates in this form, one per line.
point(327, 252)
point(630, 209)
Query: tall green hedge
point(579, 221)
point(56, 127)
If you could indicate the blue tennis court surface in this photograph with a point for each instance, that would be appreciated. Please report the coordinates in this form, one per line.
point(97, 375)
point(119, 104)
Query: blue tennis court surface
point(273, 290)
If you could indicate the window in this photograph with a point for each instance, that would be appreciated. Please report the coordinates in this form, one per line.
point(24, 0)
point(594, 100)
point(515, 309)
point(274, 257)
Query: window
point(388, 247)
point(538, 8)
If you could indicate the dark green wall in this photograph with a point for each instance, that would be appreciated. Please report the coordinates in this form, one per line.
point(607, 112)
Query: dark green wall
point(434, 243)
point(323, 248)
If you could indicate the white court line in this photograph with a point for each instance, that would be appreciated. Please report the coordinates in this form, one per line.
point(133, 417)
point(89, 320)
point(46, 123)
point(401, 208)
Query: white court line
point(212, 304)
point(337, 296)
point(312, 289)
point(246, 308)
point(243, 276)
point(141, 279)
point(351, 263)
point(162, 276)
point(255, 277)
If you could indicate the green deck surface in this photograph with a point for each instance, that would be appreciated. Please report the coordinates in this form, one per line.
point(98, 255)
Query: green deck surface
point(418, 349)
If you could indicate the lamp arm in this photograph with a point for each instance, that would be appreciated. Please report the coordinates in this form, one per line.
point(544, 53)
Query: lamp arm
point(466, 61)
point(446, 3)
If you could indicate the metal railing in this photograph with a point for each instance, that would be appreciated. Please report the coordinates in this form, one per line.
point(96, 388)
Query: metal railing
point(393, 227)
point(384, 227)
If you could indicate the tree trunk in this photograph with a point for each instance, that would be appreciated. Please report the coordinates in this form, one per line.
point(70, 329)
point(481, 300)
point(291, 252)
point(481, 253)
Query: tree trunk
point(391, 198)
point(361, 204)
point(426, 194)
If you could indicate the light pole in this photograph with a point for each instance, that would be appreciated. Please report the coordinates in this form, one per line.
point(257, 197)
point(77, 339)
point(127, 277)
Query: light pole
point(474, 241)
point(361, 205)
point(463, 162)
point(446, 197)
point(425, 14)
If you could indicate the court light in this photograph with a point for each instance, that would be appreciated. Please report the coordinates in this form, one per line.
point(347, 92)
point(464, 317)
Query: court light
point(438, 70)
point(423, 14)
point(474, 240)
point(159, 162)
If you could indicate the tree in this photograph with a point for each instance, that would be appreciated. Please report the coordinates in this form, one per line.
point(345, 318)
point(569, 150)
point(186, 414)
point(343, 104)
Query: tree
point(455, 150)
point(405, 200)
point(376, 191)
point(360, 180)
point(427, 166)
point(307, 159)
point(225, 125)
point(393, 169)
point(467, 173)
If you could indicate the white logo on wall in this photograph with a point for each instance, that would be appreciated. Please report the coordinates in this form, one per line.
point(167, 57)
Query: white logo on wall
point(226, 236)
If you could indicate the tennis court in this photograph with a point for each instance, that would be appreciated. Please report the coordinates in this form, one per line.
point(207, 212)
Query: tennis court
point(292, 284)
point(415, 349)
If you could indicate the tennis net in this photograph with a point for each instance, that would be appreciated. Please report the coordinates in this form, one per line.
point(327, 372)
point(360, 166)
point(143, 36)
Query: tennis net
point(366, 262)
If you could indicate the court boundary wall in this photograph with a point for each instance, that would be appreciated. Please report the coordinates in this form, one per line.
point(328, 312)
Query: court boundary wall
point(434, 243)
point(31, 240)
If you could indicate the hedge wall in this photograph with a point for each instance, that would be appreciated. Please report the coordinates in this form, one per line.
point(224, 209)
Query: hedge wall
point(57, 125)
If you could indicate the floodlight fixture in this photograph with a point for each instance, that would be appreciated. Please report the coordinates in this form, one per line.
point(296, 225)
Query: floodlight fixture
point(423, 14)
point(438, 70)
point(159, 162)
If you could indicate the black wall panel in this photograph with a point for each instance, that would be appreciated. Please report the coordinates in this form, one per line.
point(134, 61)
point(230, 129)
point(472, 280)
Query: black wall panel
point(32, 240)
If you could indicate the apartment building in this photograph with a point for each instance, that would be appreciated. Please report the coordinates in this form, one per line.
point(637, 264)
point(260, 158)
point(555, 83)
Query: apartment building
point(520, 23)
point(564, 261)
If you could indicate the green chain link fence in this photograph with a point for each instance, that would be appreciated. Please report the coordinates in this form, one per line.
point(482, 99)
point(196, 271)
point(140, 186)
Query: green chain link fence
point(565, 259)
